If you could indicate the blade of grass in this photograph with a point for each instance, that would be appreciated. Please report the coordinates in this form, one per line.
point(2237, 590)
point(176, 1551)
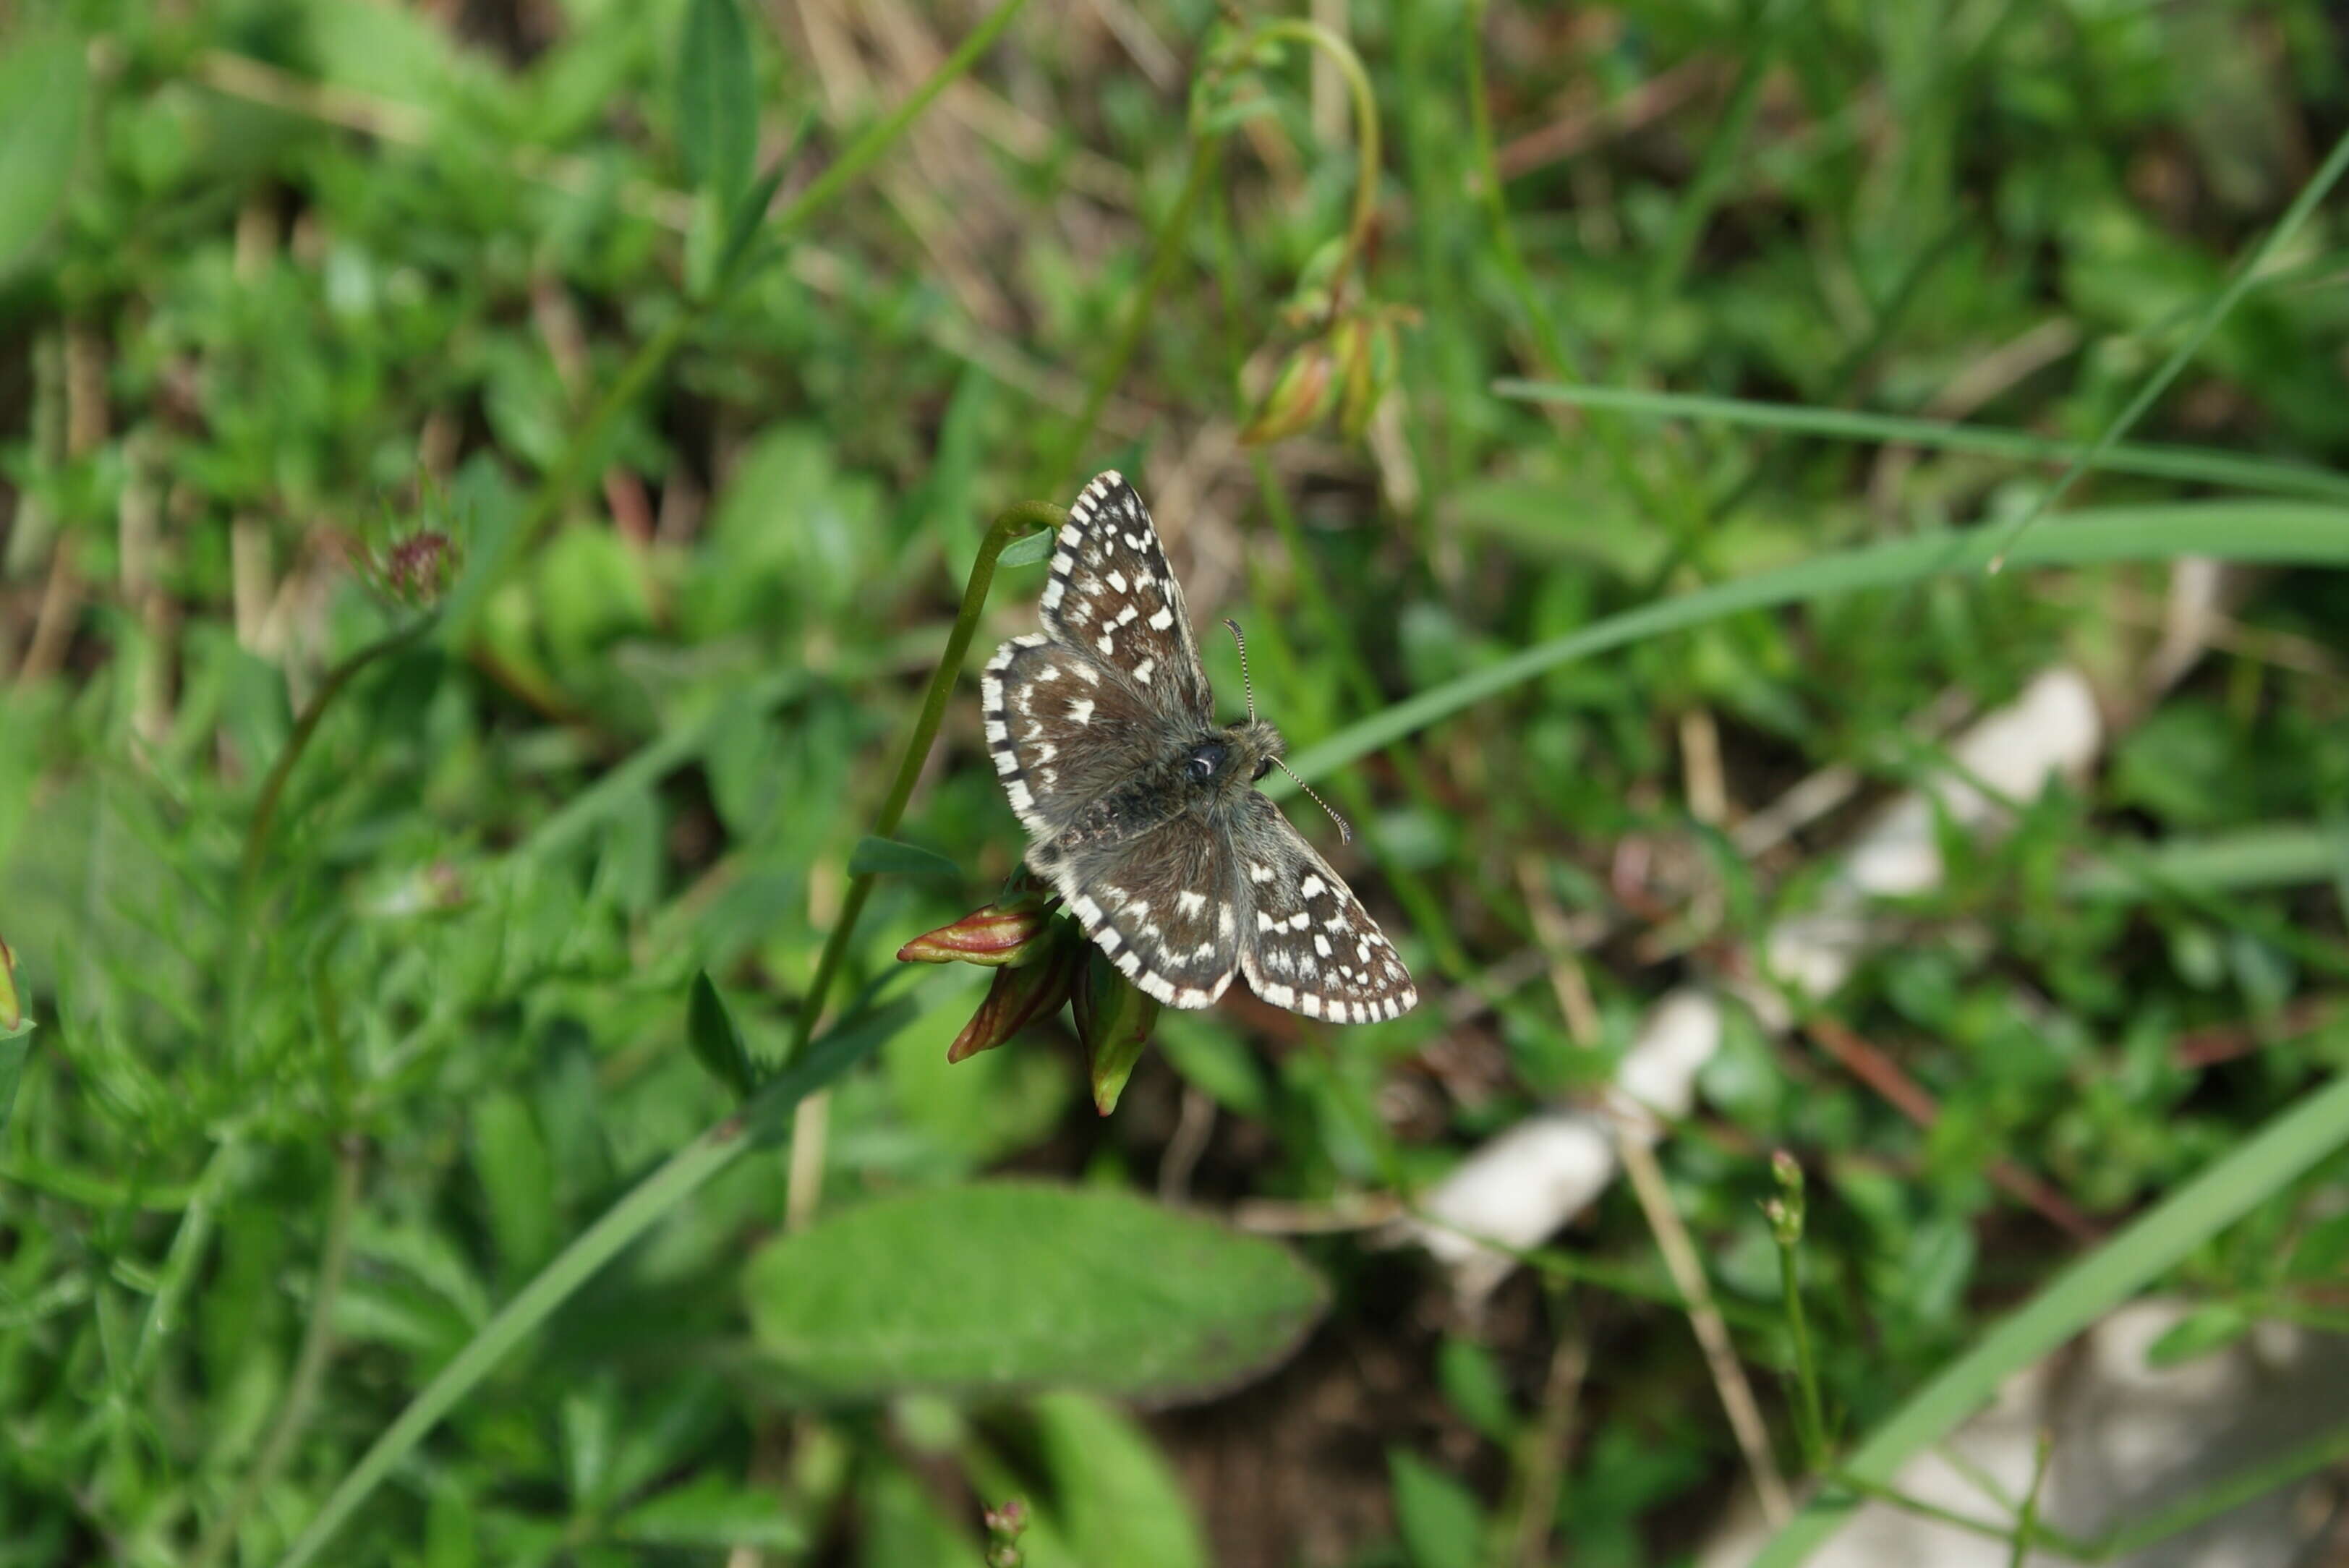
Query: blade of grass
point(2275, 1156)
point(2011, 534)
point(2204, 465)
point(683, 1174)
point(2273, 532)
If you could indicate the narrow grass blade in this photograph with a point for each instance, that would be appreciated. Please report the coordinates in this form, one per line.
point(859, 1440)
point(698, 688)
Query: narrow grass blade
point(2279, 854)
point(2192, 464)
point(2270, 1161)
point(2273, 532)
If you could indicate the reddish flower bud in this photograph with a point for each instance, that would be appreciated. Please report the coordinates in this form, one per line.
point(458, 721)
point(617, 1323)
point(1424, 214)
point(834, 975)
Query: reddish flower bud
point(12, 1010)
point(1113, 1021)
point(1022, 994)
point(1301, 394)
point(1001, 936)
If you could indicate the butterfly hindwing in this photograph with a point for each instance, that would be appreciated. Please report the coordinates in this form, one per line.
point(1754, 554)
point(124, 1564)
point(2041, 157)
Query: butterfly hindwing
point(1162, 903)
point(1308, 945)
point(1112, 594)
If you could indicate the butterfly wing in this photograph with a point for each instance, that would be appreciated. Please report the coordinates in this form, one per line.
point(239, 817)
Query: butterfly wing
point(1111, 594)
point(1066, 732)
point(1075, 720)
point(1163, 903)
point(1308, 945)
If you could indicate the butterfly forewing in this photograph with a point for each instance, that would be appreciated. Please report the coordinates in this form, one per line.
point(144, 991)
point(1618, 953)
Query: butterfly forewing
point(1062, 730)
point(1309, 945)
point(1113, 595)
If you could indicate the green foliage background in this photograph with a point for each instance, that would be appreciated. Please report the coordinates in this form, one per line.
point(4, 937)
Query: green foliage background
point(363, 1198)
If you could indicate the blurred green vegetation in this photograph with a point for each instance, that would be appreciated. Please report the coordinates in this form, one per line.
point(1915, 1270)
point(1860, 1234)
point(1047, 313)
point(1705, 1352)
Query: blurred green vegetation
point(484, 485)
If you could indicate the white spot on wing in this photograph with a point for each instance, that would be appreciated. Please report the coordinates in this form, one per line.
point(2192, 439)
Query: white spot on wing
point(1081, 709)
point(1312, 886)
point(1142, 670)
point(1190, 903)
point(1162, 619)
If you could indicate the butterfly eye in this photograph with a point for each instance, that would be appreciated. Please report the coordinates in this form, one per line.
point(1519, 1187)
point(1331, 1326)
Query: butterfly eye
point(1205, 759)
point(1262, 766)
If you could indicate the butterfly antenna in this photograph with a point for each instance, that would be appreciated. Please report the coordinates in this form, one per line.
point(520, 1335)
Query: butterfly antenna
point(1345, 833)
point(1248, 687)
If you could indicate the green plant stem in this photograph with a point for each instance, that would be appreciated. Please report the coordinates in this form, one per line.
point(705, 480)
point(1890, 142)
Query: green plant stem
point(221, 1174)
point(1111, 370)
point(1366, 131)
point(2026, 1523)
point(309, 1362)
point(1021, 517)
point(651, 1199)
point(2152, 1244)
point(1810, 1423)
point(305, 729)
point(2239, 1486)
point(2041, 1536)
point(94, 1192)
point(2158, 382)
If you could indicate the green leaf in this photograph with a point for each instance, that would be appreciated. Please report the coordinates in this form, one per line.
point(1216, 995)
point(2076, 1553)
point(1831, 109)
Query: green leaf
point(711, 1511)
point(1442, 1522)
point(1472, 1383)
point(42, 84)
point(716, 1042)
point(1115, 1498)
point(2198, 1332)
point(1028, 550)
point(895, 857)
point(517, 1177)
point(717, 100)
point(1003, 1286)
